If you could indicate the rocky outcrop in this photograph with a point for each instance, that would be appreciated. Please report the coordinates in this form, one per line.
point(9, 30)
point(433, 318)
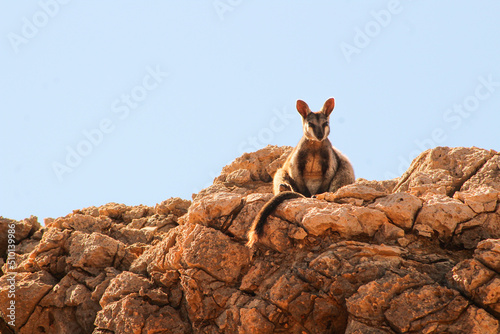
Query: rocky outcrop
point(418, 254)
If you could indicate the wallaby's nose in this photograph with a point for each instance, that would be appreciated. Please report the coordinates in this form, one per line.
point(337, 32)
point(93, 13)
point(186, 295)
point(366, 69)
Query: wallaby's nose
point(319, 133)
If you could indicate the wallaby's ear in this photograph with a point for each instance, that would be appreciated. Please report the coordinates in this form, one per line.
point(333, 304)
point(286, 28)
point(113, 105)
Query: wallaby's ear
point(303, 108)
point(328, 106)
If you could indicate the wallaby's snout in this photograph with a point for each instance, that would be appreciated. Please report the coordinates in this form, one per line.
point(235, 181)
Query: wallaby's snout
point(315, 125)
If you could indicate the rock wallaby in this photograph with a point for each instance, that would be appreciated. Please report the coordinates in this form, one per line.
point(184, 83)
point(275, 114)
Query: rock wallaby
point(313, 167)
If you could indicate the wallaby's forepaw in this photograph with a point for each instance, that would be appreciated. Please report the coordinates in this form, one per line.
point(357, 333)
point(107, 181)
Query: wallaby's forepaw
point(285, 187)
point(324, 196)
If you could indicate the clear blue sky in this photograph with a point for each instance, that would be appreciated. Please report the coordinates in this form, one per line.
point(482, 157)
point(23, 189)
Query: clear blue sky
point(135, 102)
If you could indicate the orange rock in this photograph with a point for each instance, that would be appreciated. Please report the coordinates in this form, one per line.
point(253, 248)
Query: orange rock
point(417, 254)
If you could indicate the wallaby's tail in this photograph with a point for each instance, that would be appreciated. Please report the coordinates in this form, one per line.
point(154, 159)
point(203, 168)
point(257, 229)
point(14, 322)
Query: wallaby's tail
point(257, 228)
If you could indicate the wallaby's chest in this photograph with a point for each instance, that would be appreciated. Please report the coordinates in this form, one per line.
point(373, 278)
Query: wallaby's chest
point(313, 166)
point(313, 172)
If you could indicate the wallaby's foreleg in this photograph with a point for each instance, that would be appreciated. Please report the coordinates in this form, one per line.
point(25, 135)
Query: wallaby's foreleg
point(344, 174)
point(327, 180)
point(283, 182)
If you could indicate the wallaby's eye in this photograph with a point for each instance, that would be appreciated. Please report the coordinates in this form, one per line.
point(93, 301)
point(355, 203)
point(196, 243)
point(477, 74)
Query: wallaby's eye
point(326, 124)
point(311, 124)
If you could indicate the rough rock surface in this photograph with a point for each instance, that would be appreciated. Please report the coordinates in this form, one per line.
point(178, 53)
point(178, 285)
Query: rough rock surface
point(418, 254)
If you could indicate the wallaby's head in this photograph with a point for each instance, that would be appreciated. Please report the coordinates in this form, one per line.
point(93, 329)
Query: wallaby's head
point(316, 125)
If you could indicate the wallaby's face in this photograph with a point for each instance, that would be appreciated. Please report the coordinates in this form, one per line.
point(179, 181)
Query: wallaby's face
point(316, 125)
